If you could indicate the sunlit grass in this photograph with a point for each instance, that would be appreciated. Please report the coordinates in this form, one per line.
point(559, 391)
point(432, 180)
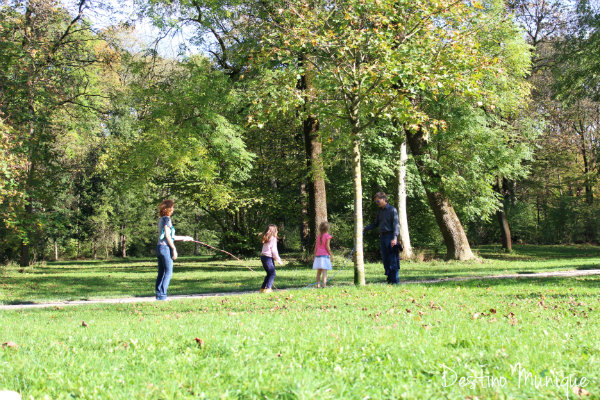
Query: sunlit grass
point(75, 280)
point(377, 342)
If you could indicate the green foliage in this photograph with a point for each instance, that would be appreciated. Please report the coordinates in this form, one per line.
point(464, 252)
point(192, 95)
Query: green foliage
point(185, 142)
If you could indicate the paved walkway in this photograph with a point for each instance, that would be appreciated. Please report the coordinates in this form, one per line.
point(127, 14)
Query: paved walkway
point(126, 300)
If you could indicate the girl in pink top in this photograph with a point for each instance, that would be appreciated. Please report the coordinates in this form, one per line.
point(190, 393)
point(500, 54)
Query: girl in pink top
point(268, 255)
point(323, 257)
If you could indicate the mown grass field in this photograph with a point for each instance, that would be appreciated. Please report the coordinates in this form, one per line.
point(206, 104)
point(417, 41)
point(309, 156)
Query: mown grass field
point(76, 280)
point(377, 342)
point(526, 338)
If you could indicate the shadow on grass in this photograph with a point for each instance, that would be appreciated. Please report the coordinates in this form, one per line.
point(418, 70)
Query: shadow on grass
point(588, 281)
point(534, 252)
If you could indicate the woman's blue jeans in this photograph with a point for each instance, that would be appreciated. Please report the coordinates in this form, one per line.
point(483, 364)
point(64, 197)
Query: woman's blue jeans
point(165, 270)
point(269, 266)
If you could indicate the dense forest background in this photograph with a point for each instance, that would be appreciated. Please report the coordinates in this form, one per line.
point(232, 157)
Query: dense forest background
point(479, 119)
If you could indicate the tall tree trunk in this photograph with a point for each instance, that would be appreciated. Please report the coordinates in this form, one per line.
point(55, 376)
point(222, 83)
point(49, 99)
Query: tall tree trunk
point(317, 194)
point(196, 245)
point(589, 190)
point(504, 229)
point(25, 258)
point(359, 262)
point(304, 222)
point(122, 243)
point(455, 238)
point(404, 236)
point(55, 250)
point(501, 216)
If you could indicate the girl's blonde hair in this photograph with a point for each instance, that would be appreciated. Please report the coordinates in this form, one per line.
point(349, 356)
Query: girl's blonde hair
point(166, 208)
point(323, 228)
point(270, 232)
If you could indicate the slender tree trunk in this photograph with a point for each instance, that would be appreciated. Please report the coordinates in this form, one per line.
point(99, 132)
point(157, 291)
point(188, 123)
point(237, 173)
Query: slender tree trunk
point(502, 219)
point(25, 259)
point(304, 222)
point(94, 249)
point(359, 262)
point(29, 187)
point(455, 238)
point(122, 243)
point(196, 245)
point(404, 236)
point(55, 250)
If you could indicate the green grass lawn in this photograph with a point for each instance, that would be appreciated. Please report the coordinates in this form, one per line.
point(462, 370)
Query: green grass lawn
point(376, 342)
point(75, 280)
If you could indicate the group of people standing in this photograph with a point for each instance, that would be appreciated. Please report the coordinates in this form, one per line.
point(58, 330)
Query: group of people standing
point(386, 222)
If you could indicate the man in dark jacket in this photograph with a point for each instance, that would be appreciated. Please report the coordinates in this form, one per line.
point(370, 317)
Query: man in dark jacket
point(389, 228)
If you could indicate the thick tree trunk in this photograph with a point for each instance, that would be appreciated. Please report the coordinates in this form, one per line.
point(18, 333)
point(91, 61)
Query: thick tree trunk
point(504, 229)
point(404, 236)
point(455, 238)
point(317, 195)
point(359, 263)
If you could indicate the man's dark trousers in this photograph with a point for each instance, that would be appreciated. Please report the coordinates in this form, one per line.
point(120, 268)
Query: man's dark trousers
point(390, 257)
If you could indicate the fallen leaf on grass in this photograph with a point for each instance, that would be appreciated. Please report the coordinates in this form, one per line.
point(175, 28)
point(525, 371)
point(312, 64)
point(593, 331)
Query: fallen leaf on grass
point(579, 391)
point(427, 327)
point(476, 315)
point(493, 319)
point(84, 324)
point(492, 311)
point(10, 344)
point(199, 341)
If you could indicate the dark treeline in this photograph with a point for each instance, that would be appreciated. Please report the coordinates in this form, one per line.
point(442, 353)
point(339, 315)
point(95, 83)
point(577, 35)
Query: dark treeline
point(479, 120)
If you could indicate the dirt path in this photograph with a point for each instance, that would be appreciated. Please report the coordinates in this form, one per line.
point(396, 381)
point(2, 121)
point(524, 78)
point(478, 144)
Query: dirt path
point(126, 300)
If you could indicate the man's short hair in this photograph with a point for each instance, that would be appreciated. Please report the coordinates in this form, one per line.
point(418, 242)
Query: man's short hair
point(381, 195)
